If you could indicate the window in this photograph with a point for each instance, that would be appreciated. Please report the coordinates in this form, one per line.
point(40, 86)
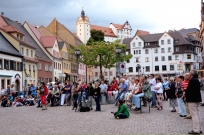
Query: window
point(46, 67)
point(139, 51)
point(176, 57)
point(31, 53)
point(133, 44)
point(169, 41)
point(22, 50)
point(24, 66)
point(177, 49)
point(163, 58)
point(163, 67)
point(146, 51)
point(171, 67)
point(188, 56)
point(33, 67)
point(136, 51)
point(156, 50)
point(29, 68)
point(139, 43)
point(106, 73)
point(194, 57)
point(1, 64)
point(111, 73)
point(162, 42)
point(156, 68)
point(162, 50)
point(96, 74)
point(169, 58)
point(14, 65)
point(6, 64)
point(179, 67)
point(39, 66)
point(169, 49)
point(130, 69)
point(156, 58)
point(18, 66)
point(147, 59)
point(27, 53)
point(147, 68)
point(137, 59)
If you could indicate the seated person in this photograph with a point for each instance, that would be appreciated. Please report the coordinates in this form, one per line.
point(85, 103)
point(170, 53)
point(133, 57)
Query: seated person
point(145, 92)
point(30, 101)
point(18, 102)
point(122, 112)
point(130, 92)
point(10, 97)
point(114, 88)
point(4, 101)
point(55, 94)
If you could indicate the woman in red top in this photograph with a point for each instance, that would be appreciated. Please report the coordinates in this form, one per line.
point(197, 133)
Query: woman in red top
point(114, 88)
point(43, 94)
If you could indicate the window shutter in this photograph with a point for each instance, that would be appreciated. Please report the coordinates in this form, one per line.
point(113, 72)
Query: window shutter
point(11, 64)
point(21, 66)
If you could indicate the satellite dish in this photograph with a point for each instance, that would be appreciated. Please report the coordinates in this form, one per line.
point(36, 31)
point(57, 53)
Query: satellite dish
point(2, 13)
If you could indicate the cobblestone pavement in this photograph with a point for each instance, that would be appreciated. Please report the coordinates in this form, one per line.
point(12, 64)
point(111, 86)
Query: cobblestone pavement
point(62, 120)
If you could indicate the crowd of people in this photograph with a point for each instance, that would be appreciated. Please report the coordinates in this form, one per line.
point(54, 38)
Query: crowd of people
point(184, 92)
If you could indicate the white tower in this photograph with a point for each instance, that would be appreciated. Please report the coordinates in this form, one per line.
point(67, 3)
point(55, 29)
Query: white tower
point(83, 27)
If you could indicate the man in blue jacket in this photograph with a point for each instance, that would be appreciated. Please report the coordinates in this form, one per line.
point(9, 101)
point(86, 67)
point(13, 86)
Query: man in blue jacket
point(33, 91)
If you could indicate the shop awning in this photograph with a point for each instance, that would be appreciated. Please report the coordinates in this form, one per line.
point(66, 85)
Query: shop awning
point(5, 75)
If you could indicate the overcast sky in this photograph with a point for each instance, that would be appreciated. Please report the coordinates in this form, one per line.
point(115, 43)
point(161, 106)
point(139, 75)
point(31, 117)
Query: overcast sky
point(151, 15)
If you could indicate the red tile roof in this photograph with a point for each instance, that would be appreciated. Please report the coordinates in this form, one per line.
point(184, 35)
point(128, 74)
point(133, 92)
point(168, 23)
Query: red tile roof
point(37, 33)
point(11, 29)
point(118, 26)
point(107, 31)
point(30, 59)
point(143, 32)
point(48, 41)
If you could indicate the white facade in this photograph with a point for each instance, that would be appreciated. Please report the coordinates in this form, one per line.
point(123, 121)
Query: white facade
point(8, 77)
point(108, 74)
point(160, 60)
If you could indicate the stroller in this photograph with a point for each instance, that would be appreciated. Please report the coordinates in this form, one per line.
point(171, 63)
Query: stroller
point(81, 108)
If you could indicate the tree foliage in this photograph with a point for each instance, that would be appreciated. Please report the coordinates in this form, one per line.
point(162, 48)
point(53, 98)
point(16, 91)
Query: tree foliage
point(101, 54)
point(96, 36)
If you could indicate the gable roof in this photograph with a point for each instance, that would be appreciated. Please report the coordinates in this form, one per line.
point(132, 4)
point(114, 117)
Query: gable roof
point(11, 29)
point(27, 37)
point(151, 37)
point(60, 44)
point(107, 31)
point(118, 26)
point(127, 42)
point(142, 32)
point(181, 37)
point(48, 41)
point(190, 30)
point(7, 47)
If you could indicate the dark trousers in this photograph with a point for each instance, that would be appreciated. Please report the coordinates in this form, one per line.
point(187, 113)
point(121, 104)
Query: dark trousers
point(98, 106)
point(122, 116)
point(52, 100)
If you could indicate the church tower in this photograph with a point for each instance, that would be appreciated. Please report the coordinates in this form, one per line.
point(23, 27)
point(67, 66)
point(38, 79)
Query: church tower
point(83, 27)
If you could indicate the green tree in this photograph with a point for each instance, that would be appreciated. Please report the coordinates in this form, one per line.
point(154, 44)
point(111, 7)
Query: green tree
point(96, 36)
point(101, 54)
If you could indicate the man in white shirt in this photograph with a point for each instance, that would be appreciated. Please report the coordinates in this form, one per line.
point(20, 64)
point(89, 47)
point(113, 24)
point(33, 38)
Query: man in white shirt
point(104, 89)
point(127, 80)
point(152, 84)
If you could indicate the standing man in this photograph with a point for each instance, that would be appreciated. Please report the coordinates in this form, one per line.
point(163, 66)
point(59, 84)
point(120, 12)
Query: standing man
point(104, 89)
point(68, 88)
point(193, 98)
point(152, 83)
point(33, 91)
point(165, 92)
point(8, 90)
point(184, 86)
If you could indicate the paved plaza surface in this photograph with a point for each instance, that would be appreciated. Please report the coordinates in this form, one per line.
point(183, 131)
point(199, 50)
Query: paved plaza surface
point(63, 120)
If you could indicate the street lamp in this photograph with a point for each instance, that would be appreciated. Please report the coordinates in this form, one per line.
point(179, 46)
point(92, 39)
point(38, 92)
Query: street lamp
point(138, 69)
point(118, 52)
point(143, 70)
point(77, 53)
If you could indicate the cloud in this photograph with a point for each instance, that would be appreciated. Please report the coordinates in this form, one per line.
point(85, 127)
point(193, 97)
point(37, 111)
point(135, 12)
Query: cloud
point(151, 15)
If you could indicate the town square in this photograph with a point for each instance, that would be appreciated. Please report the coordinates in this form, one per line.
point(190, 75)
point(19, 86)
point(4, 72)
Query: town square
point(102, 67)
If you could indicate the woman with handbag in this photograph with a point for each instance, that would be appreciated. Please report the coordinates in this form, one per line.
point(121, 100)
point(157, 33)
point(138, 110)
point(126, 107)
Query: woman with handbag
point(97, 94)
point(179, 95)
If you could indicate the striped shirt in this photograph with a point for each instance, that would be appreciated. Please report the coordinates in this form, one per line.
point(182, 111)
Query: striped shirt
point(184, 84)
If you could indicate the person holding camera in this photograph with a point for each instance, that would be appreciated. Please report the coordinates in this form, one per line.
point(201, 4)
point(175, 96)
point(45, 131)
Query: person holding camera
point(43, 94)
point(122, 112)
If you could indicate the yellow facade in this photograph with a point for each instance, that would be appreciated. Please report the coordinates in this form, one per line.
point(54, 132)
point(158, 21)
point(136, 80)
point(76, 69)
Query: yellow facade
point(66, 65)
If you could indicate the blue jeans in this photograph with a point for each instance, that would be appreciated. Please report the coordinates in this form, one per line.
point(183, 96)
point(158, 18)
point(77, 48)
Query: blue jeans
point(98, 106)
point(34, 95)
point(153, 98)
point(79, 97)
point(182, 106)
point(120, 96)
point(84, 96)
point(136, 99)
point(39, 102)
point(105, 94)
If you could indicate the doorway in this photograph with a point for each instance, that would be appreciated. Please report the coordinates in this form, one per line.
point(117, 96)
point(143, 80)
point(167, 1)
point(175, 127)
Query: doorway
point(17, 85)
point(188, 67)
